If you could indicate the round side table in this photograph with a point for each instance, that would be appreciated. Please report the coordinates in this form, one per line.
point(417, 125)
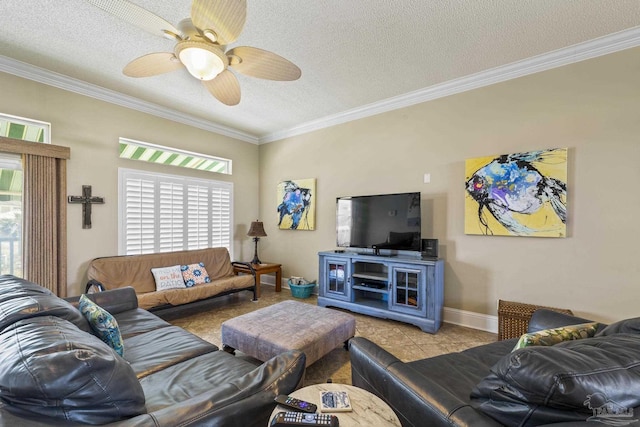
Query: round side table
point(368, 409)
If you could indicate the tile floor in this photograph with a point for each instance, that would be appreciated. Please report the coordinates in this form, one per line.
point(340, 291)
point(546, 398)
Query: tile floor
point(407, 342)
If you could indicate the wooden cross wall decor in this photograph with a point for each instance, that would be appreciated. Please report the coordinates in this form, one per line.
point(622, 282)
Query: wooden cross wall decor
point(87, 200)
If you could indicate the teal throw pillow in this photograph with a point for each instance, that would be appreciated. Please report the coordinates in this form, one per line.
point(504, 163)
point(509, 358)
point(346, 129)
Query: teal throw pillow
point(103, 324)
point(557, 335)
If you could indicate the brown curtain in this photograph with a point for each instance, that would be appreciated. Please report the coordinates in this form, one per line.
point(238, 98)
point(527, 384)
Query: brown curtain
point(45, 222)
point(45, 212)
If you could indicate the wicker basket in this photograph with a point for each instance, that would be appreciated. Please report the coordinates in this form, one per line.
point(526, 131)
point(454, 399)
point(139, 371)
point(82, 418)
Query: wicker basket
point(513, 317)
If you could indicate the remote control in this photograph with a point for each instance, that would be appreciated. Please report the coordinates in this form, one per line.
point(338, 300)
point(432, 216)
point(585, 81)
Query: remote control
point(296, 404)
point(284, 419)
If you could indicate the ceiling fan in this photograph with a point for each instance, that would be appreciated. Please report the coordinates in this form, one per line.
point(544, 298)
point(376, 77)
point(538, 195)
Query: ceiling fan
point(201, 46)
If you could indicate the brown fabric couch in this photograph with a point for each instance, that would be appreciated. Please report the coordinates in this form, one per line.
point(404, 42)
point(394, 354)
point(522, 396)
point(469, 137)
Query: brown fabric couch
point(135, 270)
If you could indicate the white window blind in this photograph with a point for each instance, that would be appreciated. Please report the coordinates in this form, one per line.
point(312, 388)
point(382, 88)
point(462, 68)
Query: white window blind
point(163, 213)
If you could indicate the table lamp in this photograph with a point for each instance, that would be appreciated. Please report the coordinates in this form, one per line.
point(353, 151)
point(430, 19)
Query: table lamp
point(256, 231)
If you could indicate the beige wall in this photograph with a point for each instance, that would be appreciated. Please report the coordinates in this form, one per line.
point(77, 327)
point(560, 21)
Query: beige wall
point(590, 107)
point(91, 129)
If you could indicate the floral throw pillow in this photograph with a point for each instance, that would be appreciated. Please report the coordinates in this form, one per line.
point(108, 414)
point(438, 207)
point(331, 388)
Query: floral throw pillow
point(103, 324)
point(194, 274)
point(168, 278)
point(557, 335)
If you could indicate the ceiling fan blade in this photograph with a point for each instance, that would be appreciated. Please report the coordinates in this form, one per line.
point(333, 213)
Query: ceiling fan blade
point(225, 88)
point(138, 16)
point(152, 65)
point(262, 64)
point(224, 17)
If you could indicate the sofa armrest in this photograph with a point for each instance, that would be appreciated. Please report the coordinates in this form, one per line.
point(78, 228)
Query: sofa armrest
point(243, 267)
point(415, 398)
point(546, 319)
point(93, 286)
point(114, 301)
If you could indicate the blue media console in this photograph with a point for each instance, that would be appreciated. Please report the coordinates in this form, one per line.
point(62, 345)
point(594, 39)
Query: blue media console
point(402, 288)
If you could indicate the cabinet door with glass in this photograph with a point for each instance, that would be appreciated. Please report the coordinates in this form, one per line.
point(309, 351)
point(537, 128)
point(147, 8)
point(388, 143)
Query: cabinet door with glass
point(337, 279)
point(408, 289)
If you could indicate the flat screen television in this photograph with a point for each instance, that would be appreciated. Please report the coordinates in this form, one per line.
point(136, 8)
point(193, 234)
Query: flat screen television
point(383, 221)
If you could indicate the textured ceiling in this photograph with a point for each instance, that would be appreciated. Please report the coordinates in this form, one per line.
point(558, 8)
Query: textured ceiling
point(352, 53)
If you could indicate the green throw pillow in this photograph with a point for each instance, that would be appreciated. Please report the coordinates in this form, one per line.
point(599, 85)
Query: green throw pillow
point(557, 335)
point(102, 323)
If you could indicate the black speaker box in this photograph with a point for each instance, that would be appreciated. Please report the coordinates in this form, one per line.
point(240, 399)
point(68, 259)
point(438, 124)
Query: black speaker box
point(429, 248)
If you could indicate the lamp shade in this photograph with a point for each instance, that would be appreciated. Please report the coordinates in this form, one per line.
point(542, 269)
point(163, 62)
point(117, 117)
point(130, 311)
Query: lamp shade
point(256, 229)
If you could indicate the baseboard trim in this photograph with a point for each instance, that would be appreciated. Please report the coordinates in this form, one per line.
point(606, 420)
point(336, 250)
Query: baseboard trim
point(269, 279)
point(470, 319)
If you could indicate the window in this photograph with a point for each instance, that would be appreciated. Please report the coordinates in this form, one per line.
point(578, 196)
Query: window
point(163, 213)
point(11, 185)
point(25, 129)
point(10, 214)
point(146, 152)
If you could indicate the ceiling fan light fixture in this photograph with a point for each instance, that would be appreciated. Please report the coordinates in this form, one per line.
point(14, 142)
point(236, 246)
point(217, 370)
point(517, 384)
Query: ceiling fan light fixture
point(203, 60)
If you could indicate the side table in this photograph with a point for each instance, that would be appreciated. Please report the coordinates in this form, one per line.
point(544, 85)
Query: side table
point(262, 269)
point(368, 409)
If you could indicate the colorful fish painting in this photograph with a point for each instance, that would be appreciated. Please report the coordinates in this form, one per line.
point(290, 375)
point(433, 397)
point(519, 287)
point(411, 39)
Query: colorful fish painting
point(521, 194)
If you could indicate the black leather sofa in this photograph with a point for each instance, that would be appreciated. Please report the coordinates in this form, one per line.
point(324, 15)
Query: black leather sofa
point(586, 382)
point(55, 372)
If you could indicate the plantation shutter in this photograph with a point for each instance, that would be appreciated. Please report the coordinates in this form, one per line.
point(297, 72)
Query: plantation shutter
point(171, 206)
point(220, 216)
point(163, 213)
point(198, 217)
point(139, 216)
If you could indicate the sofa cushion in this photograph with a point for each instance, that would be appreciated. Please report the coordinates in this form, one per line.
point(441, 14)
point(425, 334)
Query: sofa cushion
point(195, 274)
point(168, 278)
point(194, 376)
point(462, 371)
point(103, 324)
point(539, 385)
point(194, 293)
point(53, 369)
point(138, 321)
point(218, 390)
point(21, 299)
point(160, 348)
point(557, 335)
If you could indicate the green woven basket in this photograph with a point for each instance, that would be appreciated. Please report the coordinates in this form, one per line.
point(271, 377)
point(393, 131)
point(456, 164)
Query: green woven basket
point(301, 291)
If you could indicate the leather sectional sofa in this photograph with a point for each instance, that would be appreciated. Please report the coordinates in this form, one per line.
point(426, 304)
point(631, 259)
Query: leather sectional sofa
point(584, 382)
point(55, 372)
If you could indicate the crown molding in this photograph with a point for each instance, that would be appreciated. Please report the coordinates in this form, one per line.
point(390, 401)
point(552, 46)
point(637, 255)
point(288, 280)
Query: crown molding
point(579, 52)
point(597, 47)
point(40, 75)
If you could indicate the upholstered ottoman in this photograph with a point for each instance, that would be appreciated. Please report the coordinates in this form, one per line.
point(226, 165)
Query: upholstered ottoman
point(288, 325)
